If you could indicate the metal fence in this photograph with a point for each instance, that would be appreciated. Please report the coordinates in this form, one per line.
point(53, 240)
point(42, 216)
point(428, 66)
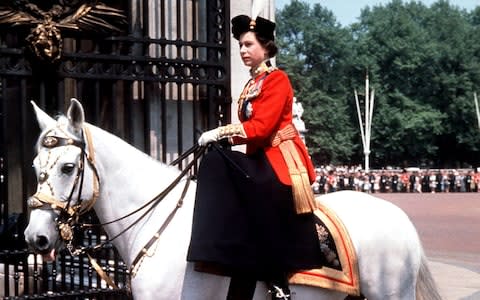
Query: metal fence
point(153, 84)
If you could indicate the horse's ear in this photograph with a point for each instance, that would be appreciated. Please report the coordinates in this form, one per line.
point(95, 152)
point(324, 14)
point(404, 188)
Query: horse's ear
point(76, 115)
point(44, 120)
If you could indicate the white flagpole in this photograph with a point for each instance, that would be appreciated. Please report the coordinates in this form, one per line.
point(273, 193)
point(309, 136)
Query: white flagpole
point(366, 125)
point(477, 108)
point(360, 123)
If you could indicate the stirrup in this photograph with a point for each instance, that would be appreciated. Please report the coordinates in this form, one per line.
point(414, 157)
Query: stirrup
point(278, 293)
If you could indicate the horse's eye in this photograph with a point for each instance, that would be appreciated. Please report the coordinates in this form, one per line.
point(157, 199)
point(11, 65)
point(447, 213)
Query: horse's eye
point(68, 168)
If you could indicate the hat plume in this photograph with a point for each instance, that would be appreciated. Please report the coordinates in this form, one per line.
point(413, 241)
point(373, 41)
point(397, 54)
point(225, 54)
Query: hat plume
point(257, 7)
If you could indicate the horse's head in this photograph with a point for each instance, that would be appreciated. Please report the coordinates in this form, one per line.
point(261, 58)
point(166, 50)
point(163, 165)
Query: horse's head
point(67, 180)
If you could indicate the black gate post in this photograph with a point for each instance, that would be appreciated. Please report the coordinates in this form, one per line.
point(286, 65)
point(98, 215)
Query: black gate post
point(3, 173)
point(218, 33)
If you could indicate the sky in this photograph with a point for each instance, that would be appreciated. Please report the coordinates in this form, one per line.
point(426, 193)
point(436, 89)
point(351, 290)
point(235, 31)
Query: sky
point(347, 12)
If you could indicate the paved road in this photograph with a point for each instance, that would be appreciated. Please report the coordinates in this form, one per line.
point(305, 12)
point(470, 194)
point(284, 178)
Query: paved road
point(449, 227)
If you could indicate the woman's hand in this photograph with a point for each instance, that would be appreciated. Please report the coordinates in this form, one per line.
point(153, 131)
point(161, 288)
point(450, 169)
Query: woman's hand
point(209, 137)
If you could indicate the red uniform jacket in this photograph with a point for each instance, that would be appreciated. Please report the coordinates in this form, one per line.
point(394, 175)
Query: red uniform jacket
point(264, 108)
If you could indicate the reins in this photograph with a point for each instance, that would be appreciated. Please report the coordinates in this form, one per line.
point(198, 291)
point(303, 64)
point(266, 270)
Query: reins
point(69, 214)
point(198, 150)
point(162, 195)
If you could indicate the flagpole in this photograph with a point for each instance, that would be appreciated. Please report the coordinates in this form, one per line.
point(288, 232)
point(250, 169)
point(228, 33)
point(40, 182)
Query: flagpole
point(366, 124)
point(477, 110)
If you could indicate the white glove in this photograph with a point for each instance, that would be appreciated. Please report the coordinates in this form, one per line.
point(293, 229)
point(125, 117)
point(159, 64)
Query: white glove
point(209, 137)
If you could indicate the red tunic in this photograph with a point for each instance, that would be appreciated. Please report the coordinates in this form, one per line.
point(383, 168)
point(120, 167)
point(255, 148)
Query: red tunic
point(271, 96)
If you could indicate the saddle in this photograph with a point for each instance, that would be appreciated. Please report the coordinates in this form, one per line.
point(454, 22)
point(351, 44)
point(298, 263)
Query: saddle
point(340, 272)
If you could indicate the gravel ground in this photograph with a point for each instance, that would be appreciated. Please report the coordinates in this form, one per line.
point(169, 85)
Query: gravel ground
point(449, 227)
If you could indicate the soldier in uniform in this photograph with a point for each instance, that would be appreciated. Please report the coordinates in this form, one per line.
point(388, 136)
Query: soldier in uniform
point(322, 183)
point(405, 180)
point(351, 180)
point(425, 181)
point(383, 182)
point(372, 179)
point(468, 181)
point(341, 180)
point(253, 217)
point(412, 180)
point(395, 180)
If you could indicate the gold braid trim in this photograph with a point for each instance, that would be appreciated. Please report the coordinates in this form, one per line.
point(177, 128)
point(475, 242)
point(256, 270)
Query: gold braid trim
point(301, 188)
point(231, 130)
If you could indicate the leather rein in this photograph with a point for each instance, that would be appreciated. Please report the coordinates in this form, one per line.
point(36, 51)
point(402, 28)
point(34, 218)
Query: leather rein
point(69, 214)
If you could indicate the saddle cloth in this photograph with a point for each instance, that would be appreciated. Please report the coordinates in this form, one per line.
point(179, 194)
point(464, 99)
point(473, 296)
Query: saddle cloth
point(341, 271)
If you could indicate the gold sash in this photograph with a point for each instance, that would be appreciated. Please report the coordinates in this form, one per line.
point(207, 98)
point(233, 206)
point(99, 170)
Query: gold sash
point(301, 188)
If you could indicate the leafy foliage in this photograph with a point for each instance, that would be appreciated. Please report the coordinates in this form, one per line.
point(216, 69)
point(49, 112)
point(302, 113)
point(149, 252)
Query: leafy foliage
point(423, 62)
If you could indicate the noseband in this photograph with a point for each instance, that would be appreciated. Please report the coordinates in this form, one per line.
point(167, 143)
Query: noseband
point(68, 213)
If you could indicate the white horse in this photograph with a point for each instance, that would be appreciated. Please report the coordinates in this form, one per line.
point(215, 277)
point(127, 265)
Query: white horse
point(118, 179)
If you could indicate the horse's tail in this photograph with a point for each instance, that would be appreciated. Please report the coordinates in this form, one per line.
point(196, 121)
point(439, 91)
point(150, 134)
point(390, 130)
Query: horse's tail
point(426, 288)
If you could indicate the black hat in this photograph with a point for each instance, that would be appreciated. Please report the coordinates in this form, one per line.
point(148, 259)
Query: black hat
point(263, 27)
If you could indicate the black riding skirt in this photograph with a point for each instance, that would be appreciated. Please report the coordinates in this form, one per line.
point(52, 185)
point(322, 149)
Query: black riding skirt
point(245, 221)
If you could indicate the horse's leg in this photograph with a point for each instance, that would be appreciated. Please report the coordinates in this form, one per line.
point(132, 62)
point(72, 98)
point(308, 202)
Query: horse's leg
point(203, 286)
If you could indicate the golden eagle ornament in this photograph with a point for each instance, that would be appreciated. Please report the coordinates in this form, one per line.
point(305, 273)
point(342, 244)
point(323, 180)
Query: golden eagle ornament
point(45, 38)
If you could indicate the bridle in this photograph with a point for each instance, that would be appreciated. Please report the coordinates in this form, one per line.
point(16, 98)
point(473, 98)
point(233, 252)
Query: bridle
point(69, 214)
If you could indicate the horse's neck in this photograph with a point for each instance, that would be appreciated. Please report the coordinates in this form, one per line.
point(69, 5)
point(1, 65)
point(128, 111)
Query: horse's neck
point(129, 179)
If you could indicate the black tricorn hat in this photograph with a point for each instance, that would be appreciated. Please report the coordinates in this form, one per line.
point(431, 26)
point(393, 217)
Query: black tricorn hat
point(243, 23)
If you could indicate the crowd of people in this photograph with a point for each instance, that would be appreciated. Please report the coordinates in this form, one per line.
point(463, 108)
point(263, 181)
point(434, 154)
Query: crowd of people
point(413, 180)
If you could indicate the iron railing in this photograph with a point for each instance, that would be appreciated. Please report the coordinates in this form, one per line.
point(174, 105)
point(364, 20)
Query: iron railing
point(153, 86)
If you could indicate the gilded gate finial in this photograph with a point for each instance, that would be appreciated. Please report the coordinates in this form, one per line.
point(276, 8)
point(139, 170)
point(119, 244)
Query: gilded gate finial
point(45, 38)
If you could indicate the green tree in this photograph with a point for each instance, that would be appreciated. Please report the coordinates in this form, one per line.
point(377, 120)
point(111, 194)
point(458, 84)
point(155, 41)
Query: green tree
point(424, 63)
point(423, 66)
point(399, 53)
point(314, 48)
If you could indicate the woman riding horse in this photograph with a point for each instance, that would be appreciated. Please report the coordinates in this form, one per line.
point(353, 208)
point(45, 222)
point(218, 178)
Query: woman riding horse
point(253, 215)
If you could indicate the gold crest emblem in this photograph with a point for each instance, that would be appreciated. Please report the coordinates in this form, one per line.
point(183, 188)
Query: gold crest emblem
point(45, 39)
point(50, 141)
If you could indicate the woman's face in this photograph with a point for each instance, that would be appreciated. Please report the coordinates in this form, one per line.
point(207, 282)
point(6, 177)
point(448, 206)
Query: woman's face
point(251, 51)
